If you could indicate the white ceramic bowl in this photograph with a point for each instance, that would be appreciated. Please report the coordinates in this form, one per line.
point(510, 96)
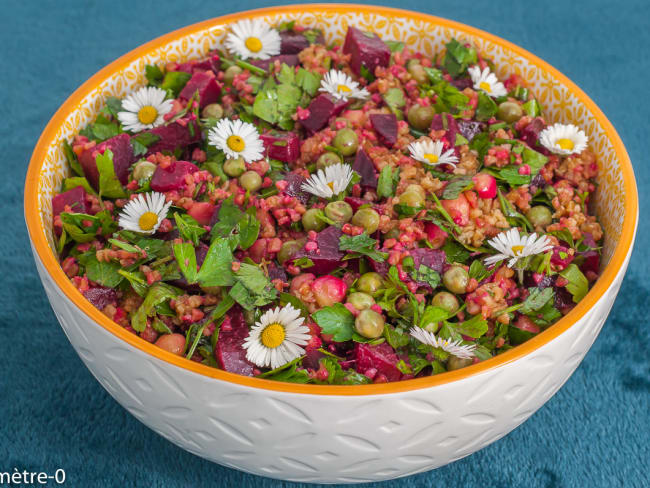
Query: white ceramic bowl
point(318, 433)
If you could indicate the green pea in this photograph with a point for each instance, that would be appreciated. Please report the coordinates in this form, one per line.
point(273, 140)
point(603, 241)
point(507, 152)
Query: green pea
point(455, 362)
point(412, 199)
point(339, 211)
point(369, 324)
point(143, 169)
point(370, 282)
point(288, 249)
point(230, 73)
point(509, 112)
point(416, 70)
point(392, 234)
point(445, 300)
point(417, 189)
point(420, 116)
point(250, 181)
point(360, 300)
point(539, 216)
point(346, 142)
point(213, 110)
point(455, 279)
point(366, 218)
point(234, 167)
point(327, 159)
point(310, 220)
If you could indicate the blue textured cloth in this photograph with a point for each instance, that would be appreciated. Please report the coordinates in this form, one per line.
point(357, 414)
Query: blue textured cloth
point(594, 432)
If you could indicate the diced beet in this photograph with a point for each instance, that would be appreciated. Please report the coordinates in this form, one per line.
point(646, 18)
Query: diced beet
point(312, 358)
point(202, 212)
point(321, 109)
point(292, 42)
point(277, 272)
point(366, 169)
point(365, 48)
point(380, 357)
point(328, 256)
point(433, 258)
point(120, 146)
point(205, 82)
point(283, 146)
point(385, 125)
point(229, 351)
point(563, 299)
point(101, 296)
point(537, 183)
point(294, 187)
point(561, 257)
point(174, 136)
point(462, 83)
point(591, 261)
point(446, 122)
point(469, 128)
point(75, 199)
point(288, 59)
point(530, 134)
point(212, 63)
point(172, 177)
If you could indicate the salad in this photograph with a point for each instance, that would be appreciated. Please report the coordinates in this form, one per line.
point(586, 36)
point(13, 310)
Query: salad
point(333, 214)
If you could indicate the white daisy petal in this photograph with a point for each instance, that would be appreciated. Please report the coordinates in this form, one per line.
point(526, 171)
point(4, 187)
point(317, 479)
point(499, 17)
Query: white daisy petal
point(341, 86)
point(144, 109)
point(430, 153)
point(283, 339)
point(487, 82)
point(564, 139)
point(144, 213)
point(452, 347)
point(253, 39)
point(237, 139)
point(513, 246)
point(329, 181)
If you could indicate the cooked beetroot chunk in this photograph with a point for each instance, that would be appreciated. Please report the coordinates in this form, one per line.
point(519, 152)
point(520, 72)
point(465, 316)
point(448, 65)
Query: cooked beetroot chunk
point(283, 146)
point(75, 199)
point(385, 125)
point(321, 109)
point(229, 351)
point(172, 177)
point(327, 256)
point(122, 150)
point(366, 49)
point(366, 169)
point(294, 187)
point(432, 258)
point(530, 134)
point(382, 358)
point(213, 63)
point(469, 128)
point(288, 59)
point(174, 136)
point(101, 296)
point(206, 84)
point(292, 42)
point(446, 122)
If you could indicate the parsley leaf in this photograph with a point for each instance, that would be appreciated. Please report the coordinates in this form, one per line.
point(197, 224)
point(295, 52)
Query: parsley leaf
point(153, 74)
point(388, 179)
point(456, 186)
point(427, 275)
point(362, 244)
point(308, 81)
point(473, 327)
point(216, 268)
point(252, 288)
point(189, 228)
point(186, 259)
point(455, 252)
point(337, 321)
point(248, 228)
point(175, 81)
point(458, 58)
point(109, 185)
point(104, 273)
point(486, 107)
point(73, 161)
point(142, 141)
point(157, 294)
point(535, 160)
point(228, 218)
point(578, 285)
point(536, 299)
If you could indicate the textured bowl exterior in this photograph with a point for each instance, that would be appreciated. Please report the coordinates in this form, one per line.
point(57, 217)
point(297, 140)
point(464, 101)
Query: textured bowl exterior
point(326, 439)
point(333, 434)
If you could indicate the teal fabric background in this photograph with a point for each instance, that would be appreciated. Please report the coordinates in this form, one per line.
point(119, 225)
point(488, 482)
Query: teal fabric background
point(593, 433)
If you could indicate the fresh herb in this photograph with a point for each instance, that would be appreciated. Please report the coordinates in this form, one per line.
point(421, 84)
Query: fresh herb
point(395, 46)
point(336, 321)
point(73, 161)
point(248, 229)
point(216, 268)
point(361, 244)
point(457, 186)
point(458, 57)
point(227, 219)
point(157, 294)
point(536, 299)
point(189, 228)
point(186, 259)
point(486, 108)
point(142, 141)
point(428, 275)
point(252, 288)
point(475, 327)
point(455, 252)
point(532, 108)
point(174, 82)
point(154, 75)
point(109, 185)
point(75, 181)
point(578, 285)
point(388, 179)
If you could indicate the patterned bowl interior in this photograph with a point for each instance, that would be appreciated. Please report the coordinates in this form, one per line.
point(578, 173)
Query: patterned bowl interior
point(423, 34)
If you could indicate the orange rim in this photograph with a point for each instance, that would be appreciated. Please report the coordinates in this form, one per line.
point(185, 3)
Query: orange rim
point(52, 266)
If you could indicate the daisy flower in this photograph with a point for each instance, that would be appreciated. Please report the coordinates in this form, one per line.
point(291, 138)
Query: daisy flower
point(447, 345)
point(253, 39)
point(237, 139)
point(329, 181)
point(144, 213)
point(487, 81)
point(144, 109)
point(276, 339)
point(341, 86)
point(511, 245)
point(563, 139)
point(430, 153)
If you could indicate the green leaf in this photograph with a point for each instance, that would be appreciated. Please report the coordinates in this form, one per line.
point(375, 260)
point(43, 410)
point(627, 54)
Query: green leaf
point(248, 229)
point(216, 268)
point(388, 179)
point(228, 218)
point(511, 175)
point(186, 259)
point(532, 108)
point(109, 185)
point(252, 288)
point(458, 58)
point(535, 160)
point(337, 321)
point(433, 315)
point(153, 74)
point(396, 337)
point(486, 107)
point(137, 281)
point(455, 252)
point(536, 299)
point(578, 285)
point(395, 46)
point(394, 98)
point(142, 141)
point(460, 140)
point(473, 327)
point(308, 81)
point(434, 74)
point(157, 294)
point(450, 99)
point(481, 143)
point(288, 373)
point(189, 228)
point(104, 273)
point(427, 275)
point(75, 181)
point(72, 158)
point(286, 74)
point(362, 244)
point(456, 186)
point(175, 81)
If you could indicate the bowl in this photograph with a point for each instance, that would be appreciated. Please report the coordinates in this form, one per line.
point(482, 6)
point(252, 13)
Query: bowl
point(333, 434)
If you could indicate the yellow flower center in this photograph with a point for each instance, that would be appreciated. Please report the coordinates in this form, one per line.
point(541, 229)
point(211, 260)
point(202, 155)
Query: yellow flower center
point(517, 250)
point(273, 335)
point(236, 143)
point(148, 220)
point(432, 158)
point(331, 185)
point(566, 144)
point(253, 44)
point(485, 86)
point(343, 89)
point(147, 114)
